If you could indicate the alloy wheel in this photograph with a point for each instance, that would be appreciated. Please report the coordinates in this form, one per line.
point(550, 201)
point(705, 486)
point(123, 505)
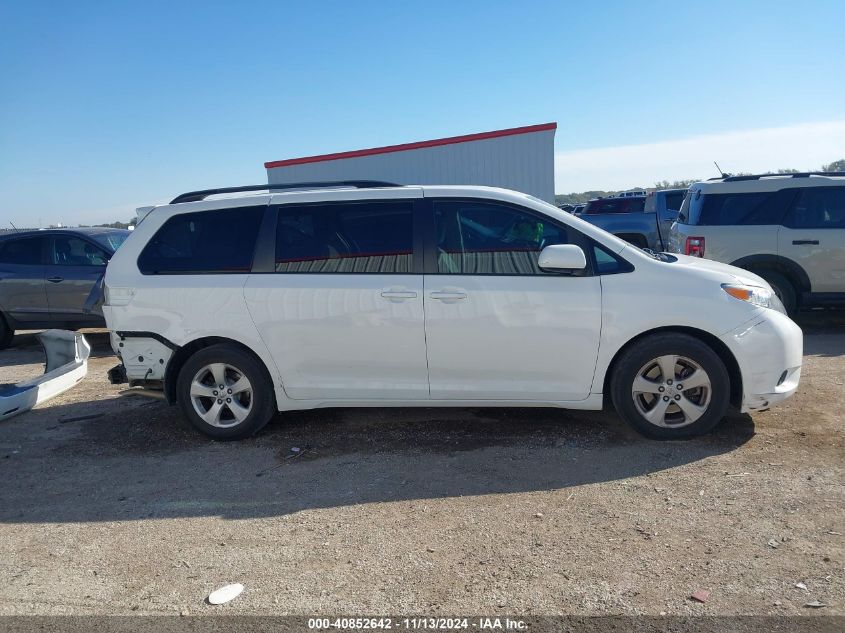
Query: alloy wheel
point(671, 391)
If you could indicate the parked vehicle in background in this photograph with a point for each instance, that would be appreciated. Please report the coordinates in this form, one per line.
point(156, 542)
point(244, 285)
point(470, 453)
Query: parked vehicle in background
point(642, 220)
point(578, 209)
point(788, 229)
point(372, 294)
point(629, 194)
point(46, 276)
point(569, 208)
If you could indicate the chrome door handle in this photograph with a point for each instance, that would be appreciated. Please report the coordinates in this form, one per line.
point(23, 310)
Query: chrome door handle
point(55, 280)
point(399, 294)
point(448, 296)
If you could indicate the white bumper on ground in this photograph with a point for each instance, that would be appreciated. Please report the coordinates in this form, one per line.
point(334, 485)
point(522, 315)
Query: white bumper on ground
point(769, 351)
point(67, 364)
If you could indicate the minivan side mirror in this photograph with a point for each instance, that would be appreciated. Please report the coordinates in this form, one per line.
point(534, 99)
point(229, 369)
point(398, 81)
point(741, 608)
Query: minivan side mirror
point(562, 257)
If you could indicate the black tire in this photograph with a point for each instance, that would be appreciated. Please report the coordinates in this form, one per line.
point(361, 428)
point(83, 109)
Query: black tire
point(783, 289)
point(261, 402)
point(6, 333)
point(640, 354)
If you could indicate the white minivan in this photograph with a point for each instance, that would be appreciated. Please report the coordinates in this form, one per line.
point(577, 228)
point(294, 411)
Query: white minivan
point(360, 293)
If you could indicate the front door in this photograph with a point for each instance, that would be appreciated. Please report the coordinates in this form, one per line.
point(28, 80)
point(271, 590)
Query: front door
point(74, 266)
point(343, 312)
point(813, 236)
point(498, 327)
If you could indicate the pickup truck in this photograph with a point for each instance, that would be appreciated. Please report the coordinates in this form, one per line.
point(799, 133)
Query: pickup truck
point(642, 220)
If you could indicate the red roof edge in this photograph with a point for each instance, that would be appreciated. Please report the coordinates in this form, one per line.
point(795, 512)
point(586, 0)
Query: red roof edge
point(418, 145)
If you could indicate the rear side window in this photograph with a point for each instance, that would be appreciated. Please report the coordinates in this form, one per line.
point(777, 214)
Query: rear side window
point(220, 241)
point(26, 251)
point(734, 209)
point(359, 237)
point(615, 205)
point(818, 208)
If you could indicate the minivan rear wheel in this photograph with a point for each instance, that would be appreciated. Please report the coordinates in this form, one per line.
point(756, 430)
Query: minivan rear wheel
point(224, 392)
point(670, 386)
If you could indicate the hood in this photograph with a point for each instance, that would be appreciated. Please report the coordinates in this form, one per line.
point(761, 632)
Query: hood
point(739, 274)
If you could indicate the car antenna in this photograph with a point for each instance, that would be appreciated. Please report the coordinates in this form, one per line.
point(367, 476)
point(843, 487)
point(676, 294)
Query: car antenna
point(721, 173)
point(14, 227)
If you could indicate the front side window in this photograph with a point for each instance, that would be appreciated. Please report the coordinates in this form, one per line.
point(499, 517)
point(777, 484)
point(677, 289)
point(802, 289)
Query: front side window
point(347, 237)
point(818, 208)
point(482, 238)
point(25, 251)
point(219, 241)
point(72, 251)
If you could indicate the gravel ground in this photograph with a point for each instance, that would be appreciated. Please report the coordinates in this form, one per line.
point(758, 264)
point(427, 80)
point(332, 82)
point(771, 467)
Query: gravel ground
point(111, 506)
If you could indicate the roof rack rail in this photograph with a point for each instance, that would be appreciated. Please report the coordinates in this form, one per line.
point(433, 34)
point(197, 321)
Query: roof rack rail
point(803, 174)
point(194, 196)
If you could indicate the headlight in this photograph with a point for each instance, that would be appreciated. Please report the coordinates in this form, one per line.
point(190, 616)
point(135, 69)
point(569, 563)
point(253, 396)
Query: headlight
point(755, 295)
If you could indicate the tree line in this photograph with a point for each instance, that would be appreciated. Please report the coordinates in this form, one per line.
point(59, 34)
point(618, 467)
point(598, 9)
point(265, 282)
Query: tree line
point(586, 196)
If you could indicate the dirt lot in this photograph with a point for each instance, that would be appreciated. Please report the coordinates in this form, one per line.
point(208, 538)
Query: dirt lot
point(109, 505)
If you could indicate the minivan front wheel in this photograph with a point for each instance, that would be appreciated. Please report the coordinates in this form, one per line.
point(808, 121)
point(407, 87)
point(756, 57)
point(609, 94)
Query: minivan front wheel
point(670, 386)
point(224, 392)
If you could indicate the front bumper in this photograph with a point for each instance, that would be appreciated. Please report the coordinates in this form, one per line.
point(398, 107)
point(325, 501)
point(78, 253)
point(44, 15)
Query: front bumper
point(768, 350)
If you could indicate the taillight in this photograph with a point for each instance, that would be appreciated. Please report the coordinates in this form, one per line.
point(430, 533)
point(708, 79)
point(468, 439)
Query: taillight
point(694, 246)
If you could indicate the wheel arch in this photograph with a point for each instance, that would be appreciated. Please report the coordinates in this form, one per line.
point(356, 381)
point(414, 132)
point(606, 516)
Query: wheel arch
point(712, 341)
point(183, 353)
point(785, 266)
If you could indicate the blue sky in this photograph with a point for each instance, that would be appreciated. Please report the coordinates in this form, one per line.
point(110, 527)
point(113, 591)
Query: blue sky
point(110, 105)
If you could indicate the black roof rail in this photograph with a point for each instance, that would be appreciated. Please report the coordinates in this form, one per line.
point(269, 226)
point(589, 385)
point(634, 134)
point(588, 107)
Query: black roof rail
point(194, 196)
point(803, 174)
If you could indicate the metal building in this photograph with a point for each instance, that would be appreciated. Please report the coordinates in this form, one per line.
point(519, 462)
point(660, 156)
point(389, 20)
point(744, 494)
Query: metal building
point(519, 158)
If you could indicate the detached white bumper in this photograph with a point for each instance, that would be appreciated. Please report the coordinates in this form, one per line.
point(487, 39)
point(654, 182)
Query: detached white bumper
point(67, 364)
point(769, 351)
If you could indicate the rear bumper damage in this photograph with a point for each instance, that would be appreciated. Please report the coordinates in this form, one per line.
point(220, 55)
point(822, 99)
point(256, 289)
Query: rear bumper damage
point(67, 363)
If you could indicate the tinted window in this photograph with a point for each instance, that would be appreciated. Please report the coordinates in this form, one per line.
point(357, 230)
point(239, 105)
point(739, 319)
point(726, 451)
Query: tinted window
point(744, 208)
point(366, 237)
point(221, 241)
point(71, 251)
point(615, 205)
point(818, 207)
point(480, 238)
point(674, 200)
point(25, 251)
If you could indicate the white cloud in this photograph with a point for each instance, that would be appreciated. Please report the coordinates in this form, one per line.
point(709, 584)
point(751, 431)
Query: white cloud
point(806, 147)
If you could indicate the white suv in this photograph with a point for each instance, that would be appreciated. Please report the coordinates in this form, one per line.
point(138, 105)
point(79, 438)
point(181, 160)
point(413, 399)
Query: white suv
point(371, 294)
point(787, 228)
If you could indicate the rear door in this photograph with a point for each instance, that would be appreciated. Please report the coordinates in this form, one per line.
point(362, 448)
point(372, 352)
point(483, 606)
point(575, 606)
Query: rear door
point(813, 236)
point(22, 292)
point(74, 266)
point(497, 327)
point(342, 312)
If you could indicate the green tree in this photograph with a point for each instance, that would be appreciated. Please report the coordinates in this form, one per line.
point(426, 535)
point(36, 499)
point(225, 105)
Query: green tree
point(837, 165)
